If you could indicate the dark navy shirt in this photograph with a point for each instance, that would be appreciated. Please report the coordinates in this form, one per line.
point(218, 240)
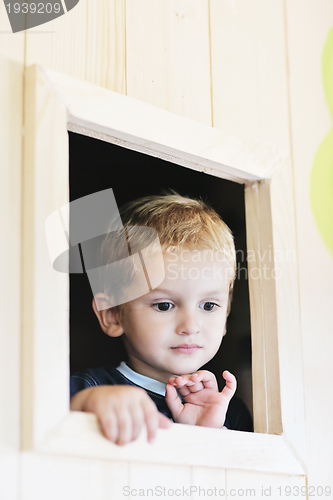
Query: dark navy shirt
point(238, 417)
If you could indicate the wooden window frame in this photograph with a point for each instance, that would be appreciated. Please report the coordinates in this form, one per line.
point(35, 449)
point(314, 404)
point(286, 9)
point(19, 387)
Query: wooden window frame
point(56, 103)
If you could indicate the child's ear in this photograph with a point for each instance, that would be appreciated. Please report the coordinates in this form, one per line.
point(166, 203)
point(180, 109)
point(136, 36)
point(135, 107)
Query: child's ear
point(108, 316)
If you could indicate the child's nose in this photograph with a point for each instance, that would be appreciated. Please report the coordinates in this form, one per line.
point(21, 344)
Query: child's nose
point(187, 324)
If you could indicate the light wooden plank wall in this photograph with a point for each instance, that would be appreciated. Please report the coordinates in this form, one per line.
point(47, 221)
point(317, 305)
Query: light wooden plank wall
point(254, 485)
point(249, 70)
point(168, 55)
point(158, 52)
point(11, 106)
point(58, 478)
point(55, 478)
point(165, 57)
point(88, 43)
point(310, 123)
point(11, 101)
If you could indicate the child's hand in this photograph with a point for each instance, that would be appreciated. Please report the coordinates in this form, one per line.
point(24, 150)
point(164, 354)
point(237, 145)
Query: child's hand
point(204, 404)
point(122, 411)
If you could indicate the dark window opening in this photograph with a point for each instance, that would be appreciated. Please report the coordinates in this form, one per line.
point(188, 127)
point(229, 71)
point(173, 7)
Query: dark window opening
point(95, 165)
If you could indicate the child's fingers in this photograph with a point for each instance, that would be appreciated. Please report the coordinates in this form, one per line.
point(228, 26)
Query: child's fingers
point(183, 384)
point(186, 390)
point(207, 378)
point(202, 379)
point(180, 381)
point(122, 425)
point(230, 385)
point(151, 418)
point(138, 419)
point(173, 401)
point(163, 421)
point(109, 426)
point(125, 426)
point(191, 389)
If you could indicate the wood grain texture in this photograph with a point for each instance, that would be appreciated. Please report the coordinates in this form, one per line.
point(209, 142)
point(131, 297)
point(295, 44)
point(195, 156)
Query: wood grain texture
point(11, 120)
point(253, 485)
point(10, 479)
point(168, 55)
point(208, 479)
point(310, 123)
point(45, 300)
point(288, 312)
point(259, 368)
point(277, 363)
point(264, 314)
point(61, 478)
point(249, 70)
point(158, 132)
point(88, 43)
point(79, 435)
point(162, 480)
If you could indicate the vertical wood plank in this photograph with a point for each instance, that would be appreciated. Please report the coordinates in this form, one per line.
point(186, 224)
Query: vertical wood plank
point(160, 480)
point(45, 299)
point(11, 119)
point(105, 44)
point(60, 44)
point(274, 304)
point(264, 313)
point(9, 464)
point(208, 482)
point(271, 313)
point(88, 42)
point(242, 485)
point(249, 71)
point(285, 270)
point(259, 385)
point(62, 478)
point(168, 55)
point(310, 124)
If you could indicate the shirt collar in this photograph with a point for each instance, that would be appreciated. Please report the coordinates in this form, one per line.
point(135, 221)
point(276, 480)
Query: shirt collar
point(147, 383)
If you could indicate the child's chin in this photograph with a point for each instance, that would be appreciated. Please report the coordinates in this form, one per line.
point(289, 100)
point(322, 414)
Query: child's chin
point(190, 368)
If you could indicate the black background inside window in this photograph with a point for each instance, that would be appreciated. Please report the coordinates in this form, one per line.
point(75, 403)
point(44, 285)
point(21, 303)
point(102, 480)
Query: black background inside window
point(95, 165)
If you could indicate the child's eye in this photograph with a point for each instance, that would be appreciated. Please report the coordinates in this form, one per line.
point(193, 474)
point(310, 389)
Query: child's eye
point(209, 306)
point(163, 306)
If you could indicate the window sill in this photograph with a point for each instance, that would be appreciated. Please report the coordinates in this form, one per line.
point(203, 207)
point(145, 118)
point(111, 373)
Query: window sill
point(78, 434)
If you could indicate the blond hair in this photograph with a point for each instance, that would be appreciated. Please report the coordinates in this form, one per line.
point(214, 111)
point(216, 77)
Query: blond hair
point(180, 222)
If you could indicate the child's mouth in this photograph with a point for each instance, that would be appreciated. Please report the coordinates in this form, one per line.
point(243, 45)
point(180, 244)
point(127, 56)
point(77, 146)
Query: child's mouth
point(186, 348)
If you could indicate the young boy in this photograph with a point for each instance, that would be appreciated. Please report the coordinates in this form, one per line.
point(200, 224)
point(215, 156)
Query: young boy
point(169, 332)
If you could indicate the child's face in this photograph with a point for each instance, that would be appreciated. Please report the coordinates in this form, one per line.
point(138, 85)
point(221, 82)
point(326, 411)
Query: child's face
point(179, 326)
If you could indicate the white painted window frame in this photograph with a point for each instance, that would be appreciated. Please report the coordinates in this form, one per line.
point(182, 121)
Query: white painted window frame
point(55, 104)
